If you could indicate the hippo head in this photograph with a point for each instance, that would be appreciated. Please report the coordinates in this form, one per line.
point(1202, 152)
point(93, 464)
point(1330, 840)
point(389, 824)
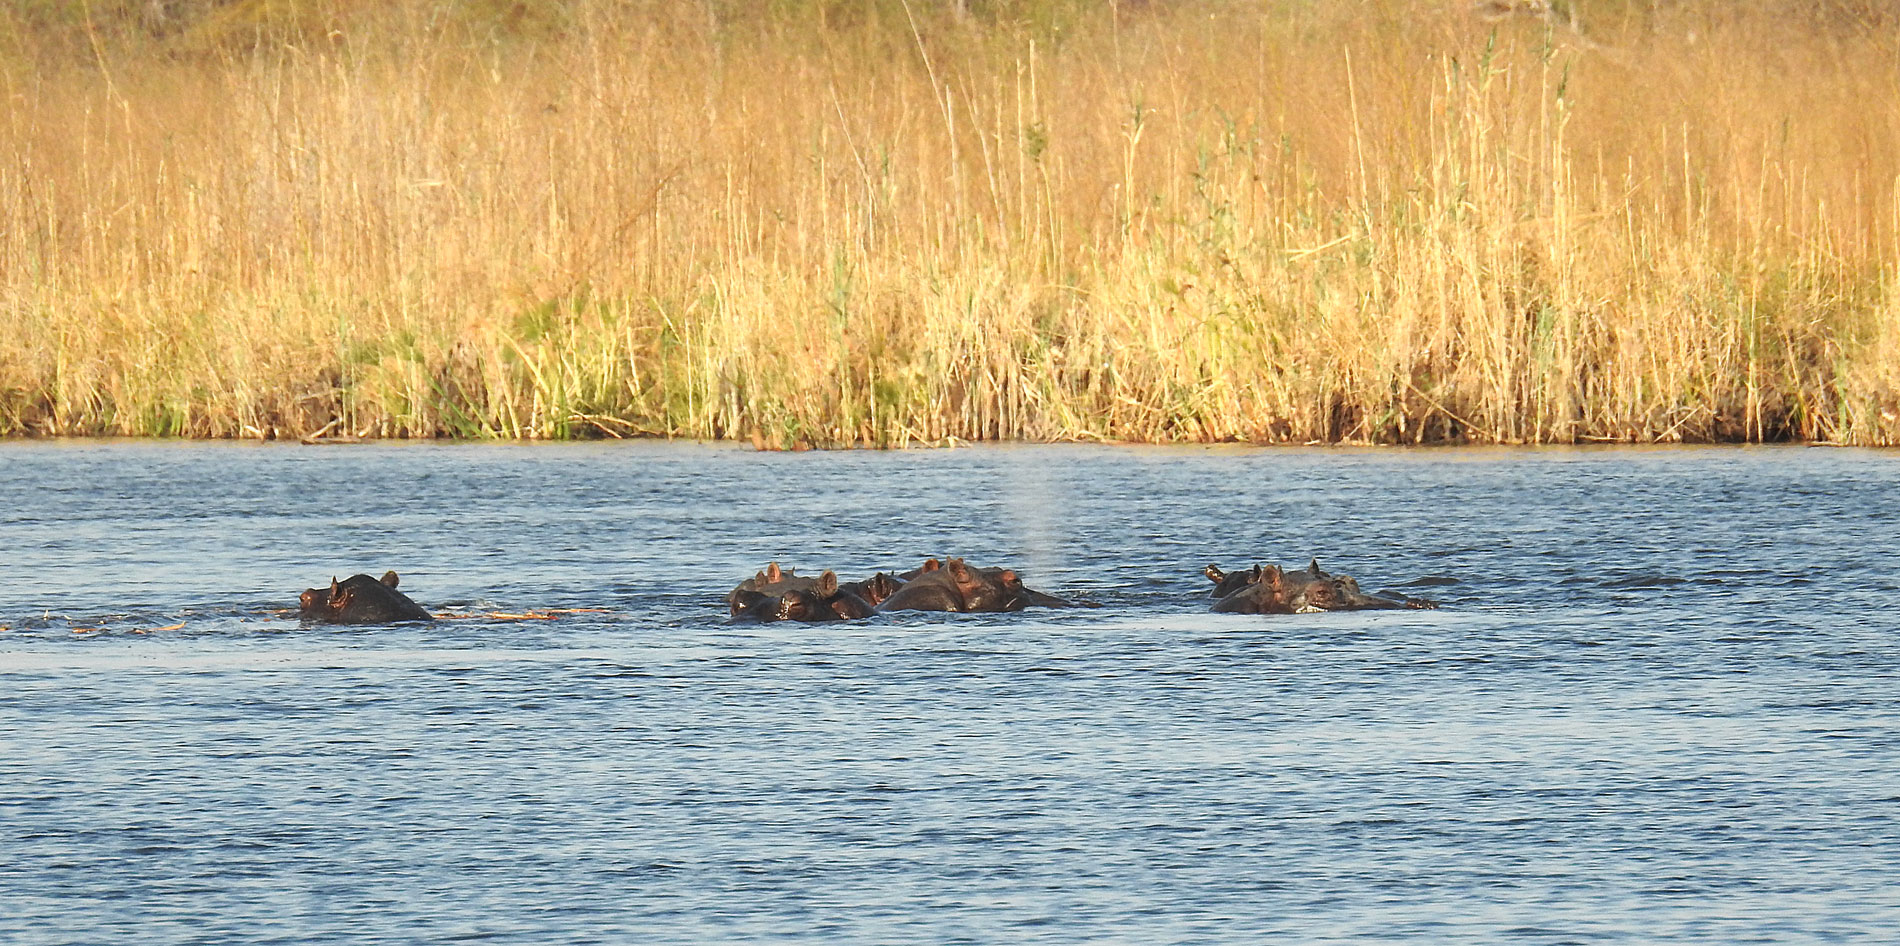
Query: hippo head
point(962, 576)
point(321, 603)
point(990, 590)
point(879, 587)
point(360, 599)
point(958, 580)
point(807, 604)
point(1278, 593)
point(1334, 593)
point(1014, 596)
point(333, 600)
point(1226, 583)
point(755, 604)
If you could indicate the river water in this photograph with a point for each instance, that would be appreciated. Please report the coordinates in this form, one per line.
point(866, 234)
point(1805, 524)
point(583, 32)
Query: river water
point(1661, 703)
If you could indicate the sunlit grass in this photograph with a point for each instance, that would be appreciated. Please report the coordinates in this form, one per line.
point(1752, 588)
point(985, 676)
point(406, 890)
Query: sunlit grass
point(889, 223)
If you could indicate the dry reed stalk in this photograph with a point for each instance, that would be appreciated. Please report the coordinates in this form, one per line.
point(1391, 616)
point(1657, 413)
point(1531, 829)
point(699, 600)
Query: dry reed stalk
point(1185, 224)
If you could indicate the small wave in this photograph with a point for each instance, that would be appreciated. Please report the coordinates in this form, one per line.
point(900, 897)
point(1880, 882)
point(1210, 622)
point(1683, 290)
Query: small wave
point(1644, 581)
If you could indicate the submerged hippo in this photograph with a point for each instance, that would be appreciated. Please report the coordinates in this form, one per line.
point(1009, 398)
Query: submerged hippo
point(957, 586)
point(1269, 590)
point(827, 600)
point(771, 582)
point(1013, 586)
point(360, 599)
point(779, 595)
point(1314, 589)
point(948, 587)
point(876, 589)
point(1226, 583)
point(1258, 590)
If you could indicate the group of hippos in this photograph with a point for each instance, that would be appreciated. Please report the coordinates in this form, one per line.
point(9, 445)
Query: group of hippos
point(778, 594)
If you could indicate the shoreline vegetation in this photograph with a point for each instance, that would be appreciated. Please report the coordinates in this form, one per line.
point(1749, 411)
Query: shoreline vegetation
point(896, 222)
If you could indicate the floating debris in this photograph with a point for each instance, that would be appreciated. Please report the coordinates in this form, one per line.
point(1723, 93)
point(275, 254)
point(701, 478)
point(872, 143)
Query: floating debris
point(541, 614)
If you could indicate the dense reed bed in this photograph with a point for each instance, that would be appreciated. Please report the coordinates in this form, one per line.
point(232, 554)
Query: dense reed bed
point(889, 223)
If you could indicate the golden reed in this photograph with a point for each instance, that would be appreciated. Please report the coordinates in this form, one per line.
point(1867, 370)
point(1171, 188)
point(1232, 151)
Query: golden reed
point(888, 222)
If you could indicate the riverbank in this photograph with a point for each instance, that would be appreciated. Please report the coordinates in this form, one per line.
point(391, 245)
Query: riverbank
point(890, 224)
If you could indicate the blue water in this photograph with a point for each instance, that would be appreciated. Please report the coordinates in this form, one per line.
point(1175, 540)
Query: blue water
point(1661, 703)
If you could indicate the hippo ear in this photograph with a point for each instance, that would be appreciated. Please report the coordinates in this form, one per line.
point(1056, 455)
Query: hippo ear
point(957, 569)
point(334, 586)
point(772, 572)
point(1270, 574)
point(931, 565)
point(390, 579)
point(828, 583)
point(1314, 568)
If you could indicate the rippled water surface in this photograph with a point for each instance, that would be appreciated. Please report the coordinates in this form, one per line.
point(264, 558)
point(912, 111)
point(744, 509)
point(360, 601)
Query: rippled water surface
point(1661, 703)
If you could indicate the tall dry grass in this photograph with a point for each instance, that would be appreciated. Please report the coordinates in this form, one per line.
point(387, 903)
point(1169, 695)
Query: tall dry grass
point(889, 223)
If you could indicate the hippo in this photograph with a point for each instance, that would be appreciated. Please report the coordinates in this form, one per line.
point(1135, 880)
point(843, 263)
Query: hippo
point(876, 589)
point(1226, 583)
point(1341, 593)
point(360, 599)
point(756, 605)
point(771, 582)
point(1263, 591)
point(1013, 585)
point(957, 586)
point(782, 596)
point(1313, 589)
point(1269, 590)
point(949, 587)
point(827, 601)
